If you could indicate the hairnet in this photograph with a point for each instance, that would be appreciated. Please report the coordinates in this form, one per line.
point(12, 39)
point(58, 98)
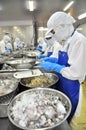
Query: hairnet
point(59, 18)
point(62, 24)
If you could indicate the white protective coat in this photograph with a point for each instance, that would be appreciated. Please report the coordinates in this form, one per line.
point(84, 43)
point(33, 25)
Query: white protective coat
point(77, 57)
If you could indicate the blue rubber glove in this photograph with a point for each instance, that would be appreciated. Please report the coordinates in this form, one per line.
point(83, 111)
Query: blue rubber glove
point(39, 48)
point(51, 66)
point(19, 47)
point(8, 49)
point(50, 59)
point(40, 56)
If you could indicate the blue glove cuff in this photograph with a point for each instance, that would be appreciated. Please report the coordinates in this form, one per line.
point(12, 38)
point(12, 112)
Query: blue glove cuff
point(51, 66)
point(8, 49)
point(19, 47)
point(51, 59)
point(39, 48)
point(41, 56)
point(59, 68)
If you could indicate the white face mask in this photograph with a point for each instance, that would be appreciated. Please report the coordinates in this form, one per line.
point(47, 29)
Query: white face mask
point(63, 32)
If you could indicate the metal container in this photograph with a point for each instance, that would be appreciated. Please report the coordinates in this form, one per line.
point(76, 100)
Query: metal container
point(52, 76)
point(41, 91)
point(21, 63)
point(32, 53)
point(4, 102)
point(6, 98)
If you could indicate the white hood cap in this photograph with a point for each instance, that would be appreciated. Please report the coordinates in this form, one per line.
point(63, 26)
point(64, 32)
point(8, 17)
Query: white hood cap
point(6, 39)
point(17, 40)
point(62, 26)
point(59, 18)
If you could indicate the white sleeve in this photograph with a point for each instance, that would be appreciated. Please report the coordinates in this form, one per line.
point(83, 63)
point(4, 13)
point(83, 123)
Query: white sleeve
point(46, 51)
point(77, 61)
point(44, 47)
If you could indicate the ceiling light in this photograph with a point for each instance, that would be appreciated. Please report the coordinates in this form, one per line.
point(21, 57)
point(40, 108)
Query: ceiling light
point(15, 27)
point(30, 5)
point(79, 29)
point(68, 6)
point(42, 29)
point(82, 16)
point(17, 30)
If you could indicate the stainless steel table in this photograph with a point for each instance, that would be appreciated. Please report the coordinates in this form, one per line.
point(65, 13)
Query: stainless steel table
point(6, 125)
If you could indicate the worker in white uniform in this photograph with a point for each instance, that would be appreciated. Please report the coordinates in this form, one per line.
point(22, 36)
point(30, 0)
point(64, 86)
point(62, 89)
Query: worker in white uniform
point(17, 44)
point(8, 45)
point(52, 47)
point(41, 45)
point(5, 44)
point(70, 65)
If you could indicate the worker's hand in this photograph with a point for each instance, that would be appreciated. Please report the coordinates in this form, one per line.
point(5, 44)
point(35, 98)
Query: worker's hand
point(8, 49)
point(39, 48)
point(50, 59)
point(51, 66)
point(19, 47)
point(40, 56)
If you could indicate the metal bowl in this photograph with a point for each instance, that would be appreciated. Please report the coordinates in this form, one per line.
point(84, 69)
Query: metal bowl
point(40, 92)
point(51, 76)
point(10, 79)
point(21, 63)
point(32, 53)
point(5, 98)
